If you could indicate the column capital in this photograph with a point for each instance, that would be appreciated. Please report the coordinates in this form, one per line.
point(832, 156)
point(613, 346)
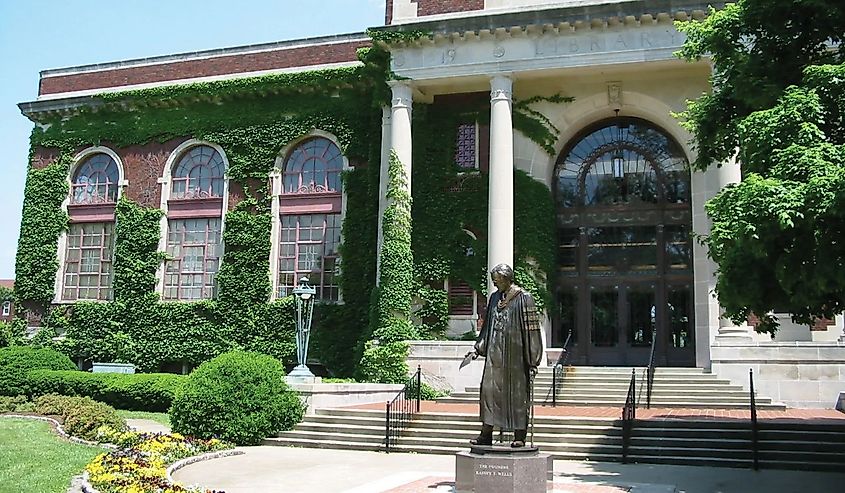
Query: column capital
point(402, 93)
point(501, 87)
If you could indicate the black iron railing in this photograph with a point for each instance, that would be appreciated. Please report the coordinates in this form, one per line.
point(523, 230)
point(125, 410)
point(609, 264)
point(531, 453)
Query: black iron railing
point(401, 409)
point(629, 414)
point(650, 370)
point(755, 446)
point(560, 368)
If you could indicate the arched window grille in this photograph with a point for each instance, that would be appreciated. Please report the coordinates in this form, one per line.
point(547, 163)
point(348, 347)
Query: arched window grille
point(95, 181)
point(313, 166)
point(198, 174)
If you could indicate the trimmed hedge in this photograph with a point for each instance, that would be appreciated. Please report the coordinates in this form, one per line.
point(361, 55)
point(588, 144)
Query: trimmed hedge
point(238, 396)
point(136, 392)
point(17, 361)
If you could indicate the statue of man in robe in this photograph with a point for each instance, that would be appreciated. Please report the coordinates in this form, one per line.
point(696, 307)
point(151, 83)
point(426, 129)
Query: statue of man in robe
point(511, 344)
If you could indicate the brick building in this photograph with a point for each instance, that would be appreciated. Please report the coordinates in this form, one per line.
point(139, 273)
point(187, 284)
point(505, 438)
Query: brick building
point(625, 201)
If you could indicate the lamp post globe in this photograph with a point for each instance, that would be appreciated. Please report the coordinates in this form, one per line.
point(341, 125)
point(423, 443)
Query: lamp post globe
point(304, 295)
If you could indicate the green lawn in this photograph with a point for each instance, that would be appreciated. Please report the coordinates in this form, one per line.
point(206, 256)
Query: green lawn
point(34, 459)
point(161, 418)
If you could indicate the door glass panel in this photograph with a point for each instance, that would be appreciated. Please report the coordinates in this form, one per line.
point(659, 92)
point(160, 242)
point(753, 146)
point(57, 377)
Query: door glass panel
point(605, 331)
point(678, 248)
point(678, 313)
point(629, 249)
point(642, 315)
point(568, 303)
point(568, 254)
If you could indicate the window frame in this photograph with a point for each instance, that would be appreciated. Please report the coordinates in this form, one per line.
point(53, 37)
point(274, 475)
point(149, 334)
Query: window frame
point(187, 208)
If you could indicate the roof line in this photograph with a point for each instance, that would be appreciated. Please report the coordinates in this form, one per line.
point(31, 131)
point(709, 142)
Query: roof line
point(217, 52)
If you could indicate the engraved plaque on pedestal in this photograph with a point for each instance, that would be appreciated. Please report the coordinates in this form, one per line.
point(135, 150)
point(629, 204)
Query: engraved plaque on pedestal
point(496, 469)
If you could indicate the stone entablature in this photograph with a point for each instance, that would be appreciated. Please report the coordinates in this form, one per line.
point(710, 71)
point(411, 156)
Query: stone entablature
point(520, 50)
point(581, 36)
point(203, 65)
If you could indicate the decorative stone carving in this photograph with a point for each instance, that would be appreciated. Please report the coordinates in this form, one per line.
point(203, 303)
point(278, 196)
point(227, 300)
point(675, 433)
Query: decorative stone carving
point(614, 94)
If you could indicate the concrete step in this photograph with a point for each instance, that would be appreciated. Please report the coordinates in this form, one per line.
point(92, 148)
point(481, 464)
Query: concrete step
point(609, 401)
point(660, 393)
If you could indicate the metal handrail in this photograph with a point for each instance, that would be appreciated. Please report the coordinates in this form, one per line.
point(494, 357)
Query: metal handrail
point(629, 414)
point(559, 365)
point(650, 369)
point(755, 446)
point(400, 410)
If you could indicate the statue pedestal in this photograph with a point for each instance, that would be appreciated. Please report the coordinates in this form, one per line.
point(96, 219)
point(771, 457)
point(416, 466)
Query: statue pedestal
point(502, 469)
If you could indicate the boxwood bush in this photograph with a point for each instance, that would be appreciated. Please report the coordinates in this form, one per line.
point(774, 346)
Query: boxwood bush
point(17, 361)
point(136, 392)
point(238, 396)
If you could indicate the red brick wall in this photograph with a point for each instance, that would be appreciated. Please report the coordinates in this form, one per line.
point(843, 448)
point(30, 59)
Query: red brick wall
point(233, 64)
point(432, 7)
point(43, 157)
point(143, 165)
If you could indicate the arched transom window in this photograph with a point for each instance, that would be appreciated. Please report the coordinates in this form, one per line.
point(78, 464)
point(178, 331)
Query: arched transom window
point(313, 166)
point(198, 174)
point(623, 161)
point(95, 181)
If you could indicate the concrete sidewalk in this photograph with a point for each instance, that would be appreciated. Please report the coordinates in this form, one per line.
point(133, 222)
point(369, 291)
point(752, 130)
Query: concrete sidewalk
point(299, 470)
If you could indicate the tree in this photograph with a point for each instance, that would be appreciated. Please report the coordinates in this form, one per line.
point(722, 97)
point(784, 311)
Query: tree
point(777, 104)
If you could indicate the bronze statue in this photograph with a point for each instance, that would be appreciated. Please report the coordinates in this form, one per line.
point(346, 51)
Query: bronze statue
point(512, 347)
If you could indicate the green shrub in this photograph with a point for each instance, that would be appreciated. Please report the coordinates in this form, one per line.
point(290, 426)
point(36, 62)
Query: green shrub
point(136, 392)
point(428, 393)
point(238, 396)
point(11, 404)
point(81, 416)
point(16, 361)
point(385, 363)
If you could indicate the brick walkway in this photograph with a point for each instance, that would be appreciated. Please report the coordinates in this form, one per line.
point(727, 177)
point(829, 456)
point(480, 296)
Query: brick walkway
point(803, 415)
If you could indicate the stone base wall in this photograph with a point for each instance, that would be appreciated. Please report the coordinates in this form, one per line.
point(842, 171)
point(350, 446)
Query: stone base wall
point(440, 360)
point(324, 395)
point(798, 374)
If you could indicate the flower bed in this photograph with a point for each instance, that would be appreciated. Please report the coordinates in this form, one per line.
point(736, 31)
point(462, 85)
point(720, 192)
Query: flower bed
point(139, 464)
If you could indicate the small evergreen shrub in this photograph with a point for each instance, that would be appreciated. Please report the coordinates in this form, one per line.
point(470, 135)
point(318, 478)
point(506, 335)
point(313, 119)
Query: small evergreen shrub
point(238, 396)
point(136, 392)
point(17, 361)
point(12, 404)
point(384, 363)
point(82, 416)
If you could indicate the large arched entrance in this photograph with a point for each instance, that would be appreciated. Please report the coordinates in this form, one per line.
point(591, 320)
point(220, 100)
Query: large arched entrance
point(622, 190)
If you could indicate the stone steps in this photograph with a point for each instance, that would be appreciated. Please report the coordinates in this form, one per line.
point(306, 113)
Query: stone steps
point(792, 445)
point(608, 386)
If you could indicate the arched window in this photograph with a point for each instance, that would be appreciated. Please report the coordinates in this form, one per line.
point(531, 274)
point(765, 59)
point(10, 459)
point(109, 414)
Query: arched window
point(194, 223)
point(198, 174)
point(95, 181)
point(624, 218)
point(313, 166)
point(89, 242)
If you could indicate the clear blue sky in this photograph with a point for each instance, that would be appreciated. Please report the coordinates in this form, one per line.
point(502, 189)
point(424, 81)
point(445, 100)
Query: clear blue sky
point(43, 34)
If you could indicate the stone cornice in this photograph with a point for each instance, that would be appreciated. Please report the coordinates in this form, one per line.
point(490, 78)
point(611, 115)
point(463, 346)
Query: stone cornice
point(554, 20)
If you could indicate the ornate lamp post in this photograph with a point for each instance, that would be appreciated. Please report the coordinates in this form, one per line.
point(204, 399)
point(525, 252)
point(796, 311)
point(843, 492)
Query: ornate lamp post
point(304, 293)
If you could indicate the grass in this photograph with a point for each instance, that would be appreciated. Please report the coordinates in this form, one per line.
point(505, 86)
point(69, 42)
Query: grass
point(33, 458)
point(161, 418)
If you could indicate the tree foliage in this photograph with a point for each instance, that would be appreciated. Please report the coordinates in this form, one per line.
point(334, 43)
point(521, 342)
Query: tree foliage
point(777, 104)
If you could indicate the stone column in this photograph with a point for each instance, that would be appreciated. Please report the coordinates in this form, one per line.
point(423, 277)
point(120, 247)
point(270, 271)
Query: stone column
point(500, 198)
point(395, 138)
point(729, 173)
point(400, 125)
point(382, 182)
